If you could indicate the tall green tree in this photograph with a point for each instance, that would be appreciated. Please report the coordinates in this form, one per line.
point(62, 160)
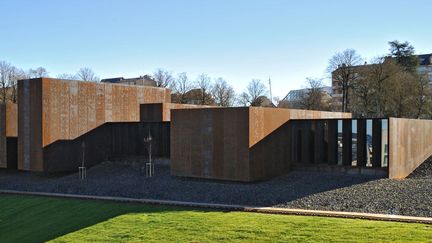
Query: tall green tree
point(403, 53)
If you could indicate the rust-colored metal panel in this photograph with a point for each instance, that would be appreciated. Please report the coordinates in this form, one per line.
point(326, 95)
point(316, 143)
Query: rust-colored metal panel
point(201, 148)
point(11, 120)
point(8, 135)
point(53, 109)
point(409, 145)
point(72, 108)
point(239, 144)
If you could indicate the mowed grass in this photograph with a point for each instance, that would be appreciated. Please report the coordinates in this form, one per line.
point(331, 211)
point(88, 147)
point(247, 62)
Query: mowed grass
point(39, 219)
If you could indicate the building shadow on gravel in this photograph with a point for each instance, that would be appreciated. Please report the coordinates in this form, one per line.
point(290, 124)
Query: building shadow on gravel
point(128, 180)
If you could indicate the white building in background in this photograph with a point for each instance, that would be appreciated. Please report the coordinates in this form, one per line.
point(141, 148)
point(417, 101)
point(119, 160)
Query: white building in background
point(425, 65)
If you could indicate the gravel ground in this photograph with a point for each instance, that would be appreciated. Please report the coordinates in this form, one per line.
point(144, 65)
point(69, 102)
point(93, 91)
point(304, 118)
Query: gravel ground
point(307, 190)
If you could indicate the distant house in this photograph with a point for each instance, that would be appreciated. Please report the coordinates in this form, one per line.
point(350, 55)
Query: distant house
point(425, 66)
point(145, 80)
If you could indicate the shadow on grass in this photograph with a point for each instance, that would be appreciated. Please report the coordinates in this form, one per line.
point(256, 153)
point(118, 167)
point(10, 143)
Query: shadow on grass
point(40, 219)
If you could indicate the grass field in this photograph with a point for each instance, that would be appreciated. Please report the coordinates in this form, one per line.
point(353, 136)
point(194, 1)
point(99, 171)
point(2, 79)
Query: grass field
point(39, 219)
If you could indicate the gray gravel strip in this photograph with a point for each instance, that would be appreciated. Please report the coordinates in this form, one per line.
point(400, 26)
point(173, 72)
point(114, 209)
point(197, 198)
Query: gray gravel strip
point(304, 190)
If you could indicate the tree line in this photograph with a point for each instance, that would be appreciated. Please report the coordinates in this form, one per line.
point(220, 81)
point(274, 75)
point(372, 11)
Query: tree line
point(389, 85)
point(203, 90)
point(10, 74)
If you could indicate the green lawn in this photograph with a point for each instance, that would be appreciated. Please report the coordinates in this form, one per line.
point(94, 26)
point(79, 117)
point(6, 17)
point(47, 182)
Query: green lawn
point(38, 219)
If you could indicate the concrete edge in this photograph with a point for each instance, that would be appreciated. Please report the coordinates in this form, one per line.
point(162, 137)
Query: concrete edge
point(239, 208)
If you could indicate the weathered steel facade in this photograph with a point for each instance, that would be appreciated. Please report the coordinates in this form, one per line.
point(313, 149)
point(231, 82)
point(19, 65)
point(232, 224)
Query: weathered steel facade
point(51, 110)
point(54, 118)
point(410, 145)
point(8, 136)
point(238, 144)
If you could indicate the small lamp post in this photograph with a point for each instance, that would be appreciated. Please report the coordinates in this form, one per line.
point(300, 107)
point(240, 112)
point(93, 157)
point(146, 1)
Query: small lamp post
point(149, 164)
point(82, 173)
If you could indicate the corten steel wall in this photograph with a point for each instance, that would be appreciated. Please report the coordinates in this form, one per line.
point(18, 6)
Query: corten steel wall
point(11, 135)
point(210, 143)
point(51, 110)
point(263, 121)
point(239, 144)
point(269, 138)
point(410, 144)
point(11, 120)
point(8, 135)
point(162, 111)
point(109, 141)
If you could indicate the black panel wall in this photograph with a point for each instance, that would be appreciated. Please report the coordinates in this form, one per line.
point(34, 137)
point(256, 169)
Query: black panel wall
point(316, 141)
point(361, 142)
point(376, 142)
point(111, 140)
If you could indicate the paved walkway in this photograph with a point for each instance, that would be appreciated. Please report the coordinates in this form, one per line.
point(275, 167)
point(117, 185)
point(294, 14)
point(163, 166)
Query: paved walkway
point(271, 210)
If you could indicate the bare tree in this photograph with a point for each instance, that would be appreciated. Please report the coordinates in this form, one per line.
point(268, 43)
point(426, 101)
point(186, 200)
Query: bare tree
point(163, 78)
point(39, 72)
point(5, 69)
point(9, 75)
point(16, 74)
point(181, 86)
point(254, 91)
point(422, 95)
point(203, 83)
point(87, 74)
point(67, 76)
point(243, 99)
point(371, 89)
point(314, 97)
point(223, 93)
point(341, 66)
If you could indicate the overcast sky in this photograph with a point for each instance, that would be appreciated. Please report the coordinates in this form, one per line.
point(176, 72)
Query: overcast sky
point(235, 39)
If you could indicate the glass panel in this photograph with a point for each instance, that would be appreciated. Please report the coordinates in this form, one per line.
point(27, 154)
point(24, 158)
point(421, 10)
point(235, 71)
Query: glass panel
point(340, 144)
point(354, 142)
point(384, 143)
point(369, 142)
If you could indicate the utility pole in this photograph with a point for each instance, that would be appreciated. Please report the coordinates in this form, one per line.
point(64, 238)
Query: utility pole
point(271, 97)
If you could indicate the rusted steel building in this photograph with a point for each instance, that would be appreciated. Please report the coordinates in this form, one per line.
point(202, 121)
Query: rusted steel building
point(237, 144)
point(59, 122)
point(52, 110)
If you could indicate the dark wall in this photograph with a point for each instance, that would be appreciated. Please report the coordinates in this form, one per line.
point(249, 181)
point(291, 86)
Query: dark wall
point(30, 125)
point(111, 140)
point(151, 112)
point(271, 156)
point(128, 139)
point(316, 142)
point(12, 152)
